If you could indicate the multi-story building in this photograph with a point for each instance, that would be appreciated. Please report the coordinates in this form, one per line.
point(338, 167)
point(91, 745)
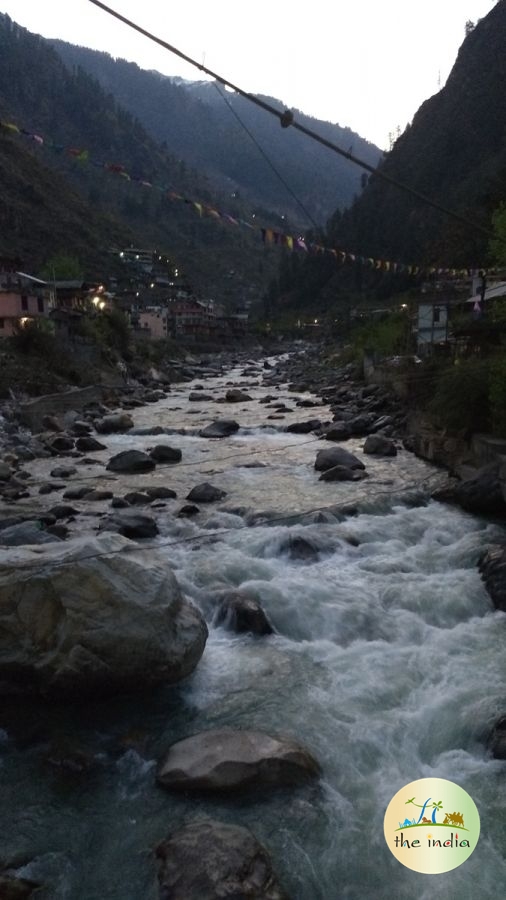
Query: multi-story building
point(23, 298)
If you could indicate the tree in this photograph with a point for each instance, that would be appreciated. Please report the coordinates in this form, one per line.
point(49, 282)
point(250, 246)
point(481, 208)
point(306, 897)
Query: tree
point(62, 267)
point(470, 26)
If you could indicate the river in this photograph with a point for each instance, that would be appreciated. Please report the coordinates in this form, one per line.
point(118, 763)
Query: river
point(388, 663)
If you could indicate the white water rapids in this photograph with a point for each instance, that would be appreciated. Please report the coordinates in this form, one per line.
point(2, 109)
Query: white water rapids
point(389, 664)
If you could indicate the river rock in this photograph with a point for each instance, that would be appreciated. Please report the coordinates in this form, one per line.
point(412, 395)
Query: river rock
point(336, 456)
point(130, 524)
point(239, 612)
point(60, 444)
point(76, 493)
point(137, 498)
point(299, 548)
point(115, 423)
point(205, 493)
point(225, 759)
point(188, 510)
point(342, 473)
point(492, 566)
point(86, 444)
point(198, 397)
point(13, 888)
point(97, 496)
point(235, 395)
point(481, 494)
point(25, 533)
point(131, 462)
point(63, 472)
point(303, 427)
point(147, 430)
point(382, 422)
point(220, 428)
point(93, 616)
point(162, 453)
point(339, 431)
point(497, 739)
point(210, 860)
point(160, 493)
point(361, 424)
point(378, 445)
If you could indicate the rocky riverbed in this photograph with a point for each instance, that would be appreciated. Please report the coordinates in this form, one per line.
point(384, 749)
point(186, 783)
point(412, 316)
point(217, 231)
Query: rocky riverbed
point(233, 624)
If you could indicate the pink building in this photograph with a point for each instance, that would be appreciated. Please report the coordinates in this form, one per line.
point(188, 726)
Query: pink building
point(153, 321)
point(22, 297)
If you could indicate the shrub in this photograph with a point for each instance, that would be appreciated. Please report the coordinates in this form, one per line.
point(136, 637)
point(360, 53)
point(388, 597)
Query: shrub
point(460, 399)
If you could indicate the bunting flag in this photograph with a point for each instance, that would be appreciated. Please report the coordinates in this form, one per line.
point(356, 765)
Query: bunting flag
point(269, 236)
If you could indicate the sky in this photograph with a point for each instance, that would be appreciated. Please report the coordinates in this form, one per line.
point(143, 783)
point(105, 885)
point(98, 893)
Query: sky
point(364, 64)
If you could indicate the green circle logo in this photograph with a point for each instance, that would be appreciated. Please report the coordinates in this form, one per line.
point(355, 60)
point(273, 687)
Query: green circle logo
point(432, 825)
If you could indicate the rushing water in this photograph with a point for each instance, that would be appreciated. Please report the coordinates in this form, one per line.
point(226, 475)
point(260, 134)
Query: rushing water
point(388, 663)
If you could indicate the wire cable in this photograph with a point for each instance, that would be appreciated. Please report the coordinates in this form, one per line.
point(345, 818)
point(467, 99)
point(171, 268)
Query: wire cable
point(267, 160)
point(143, 548)
point(287, 119)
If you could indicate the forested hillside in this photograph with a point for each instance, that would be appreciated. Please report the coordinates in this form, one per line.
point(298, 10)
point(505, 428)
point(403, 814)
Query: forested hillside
point(198, 123)
point(70, 110)
point(454, 152)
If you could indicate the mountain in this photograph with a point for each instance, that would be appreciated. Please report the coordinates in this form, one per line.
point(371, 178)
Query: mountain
point(454, 152)
point(72, 111)
point(207, 127)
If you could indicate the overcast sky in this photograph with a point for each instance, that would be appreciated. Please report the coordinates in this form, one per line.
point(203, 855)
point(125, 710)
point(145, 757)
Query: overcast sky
point(365, 64)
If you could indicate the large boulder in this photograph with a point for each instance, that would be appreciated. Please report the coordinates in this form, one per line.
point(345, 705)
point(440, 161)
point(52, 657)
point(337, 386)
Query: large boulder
point(338, 431)
point(205, 493)
point(481, 494)
point(342, 473)
point(131, 462)
point(130, 524)
point(220, 428)
point(209, 860)
point(239, 612)
point(303, 427)
point(225, 759)
point(30, 532)
point(162, 453)
point(91, 617)
point(378, 445)
point(336, 456)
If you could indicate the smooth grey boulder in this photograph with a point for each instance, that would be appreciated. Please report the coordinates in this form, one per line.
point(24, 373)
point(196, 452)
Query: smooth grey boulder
point(63, 472)
point(130, 462)
point(159, 492)
point(210, 860)
point(115, 423)
point(239, 612)
point(162, 453)
point(338, 431)
point(205, 493)
point(378, 445)
point(220, 428)
point(226, 759)
point(300, 548)
point(25, 533)
point(130, 524)
point(93, 617)
point(336, 456)
point(362, 424)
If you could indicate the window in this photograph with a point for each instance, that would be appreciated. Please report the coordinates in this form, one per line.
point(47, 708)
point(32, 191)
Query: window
point(40, 304)
point(2, 323)
point(24, 303)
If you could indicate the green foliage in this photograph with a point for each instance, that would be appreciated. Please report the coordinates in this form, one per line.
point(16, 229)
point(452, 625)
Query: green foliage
point(110, 331)
point(391, 336)
point(498, 243)
point(62, 267)
point(497, 395)
point(460, 400)
point(35, 338)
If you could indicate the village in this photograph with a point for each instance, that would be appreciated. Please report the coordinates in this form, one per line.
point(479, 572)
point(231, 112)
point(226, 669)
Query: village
point(155, 298)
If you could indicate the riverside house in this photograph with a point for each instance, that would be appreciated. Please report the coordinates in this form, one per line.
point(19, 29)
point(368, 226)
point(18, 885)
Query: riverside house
point(23, 297)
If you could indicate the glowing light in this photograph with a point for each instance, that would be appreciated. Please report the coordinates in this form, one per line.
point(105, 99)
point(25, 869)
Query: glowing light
point(101, 304)
point(95, 301)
